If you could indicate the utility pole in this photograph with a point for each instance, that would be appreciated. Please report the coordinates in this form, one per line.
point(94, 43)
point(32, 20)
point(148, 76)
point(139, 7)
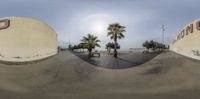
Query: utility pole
point(163, 30)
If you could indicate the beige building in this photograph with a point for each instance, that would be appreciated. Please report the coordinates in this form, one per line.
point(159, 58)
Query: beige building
point(26, 39)
point(187, 41)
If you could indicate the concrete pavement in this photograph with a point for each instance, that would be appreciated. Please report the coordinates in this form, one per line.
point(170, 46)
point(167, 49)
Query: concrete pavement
point(66, 76)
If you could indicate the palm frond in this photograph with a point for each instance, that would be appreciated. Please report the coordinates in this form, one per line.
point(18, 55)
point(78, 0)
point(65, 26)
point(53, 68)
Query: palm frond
point(97, 45)
point(98, 41)
point(110, 33)
point(111, 37)
point(90, 41)
point(122, 35)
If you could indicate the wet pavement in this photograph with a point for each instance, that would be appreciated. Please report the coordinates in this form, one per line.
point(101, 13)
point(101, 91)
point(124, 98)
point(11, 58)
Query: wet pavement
point(124, 60)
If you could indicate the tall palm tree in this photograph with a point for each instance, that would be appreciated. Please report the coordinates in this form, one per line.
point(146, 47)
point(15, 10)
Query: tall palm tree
point(115, 31)
point(90, 42)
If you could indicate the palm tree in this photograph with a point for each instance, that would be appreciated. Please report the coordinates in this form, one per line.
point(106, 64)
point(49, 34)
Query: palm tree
point(108, 47)
point(115, 31)
point(111, 45)
point(80, 46)
point(90, 41)
point(146, 44)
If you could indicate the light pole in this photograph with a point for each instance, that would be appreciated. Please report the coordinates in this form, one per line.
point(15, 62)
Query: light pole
point(163, 30)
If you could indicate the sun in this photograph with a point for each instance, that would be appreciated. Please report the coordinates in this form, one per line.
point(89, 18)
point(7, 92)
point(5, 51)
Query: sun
point(99, 26)
point(96, 24)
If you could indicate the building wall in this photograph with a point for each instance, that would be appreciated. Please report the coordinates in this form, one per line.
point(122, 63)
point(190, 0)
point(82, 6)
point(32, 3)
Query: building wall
point(26, 39)
point(187, 41)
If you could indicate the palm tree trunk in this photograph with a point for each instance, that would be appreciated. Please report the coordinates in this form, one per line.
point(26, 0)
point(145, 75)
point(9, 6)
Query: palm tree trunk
point(90, 52)
point(115, 49)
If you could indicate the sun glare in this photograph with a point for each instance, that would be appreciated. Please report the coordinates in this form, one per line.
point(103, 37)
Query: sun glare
point(99, 27)
point(97, 24)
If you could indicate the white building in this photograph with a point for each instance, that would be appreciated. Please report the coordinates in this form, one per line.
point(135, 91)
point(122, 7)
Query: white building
point(187, 41)
point(26, 39)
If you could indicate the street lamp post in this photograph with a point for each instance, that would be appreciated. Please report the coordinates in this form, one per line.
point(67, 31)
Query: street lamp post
point(163, 30)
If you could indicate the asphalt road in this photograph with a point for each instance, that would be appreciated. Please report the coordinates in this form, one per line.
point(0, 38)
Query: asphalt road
point(66, 76)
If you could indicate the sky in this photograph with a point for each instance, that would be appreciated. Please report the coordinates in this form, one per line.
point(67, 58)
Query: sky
point(143, 19)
